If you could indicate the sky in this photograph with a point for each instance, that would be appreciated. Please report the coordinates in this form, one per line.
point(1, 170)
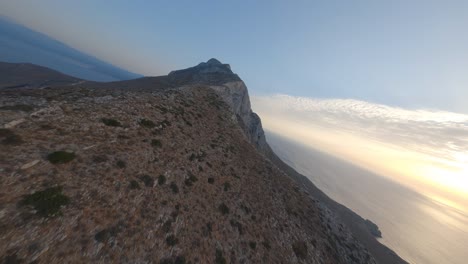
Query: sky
point(411, 54)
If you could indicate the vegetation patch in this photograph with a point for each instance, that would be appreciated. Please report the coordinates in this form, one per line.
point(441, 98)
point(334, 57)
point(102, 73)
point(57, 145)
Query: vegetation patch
point(48, 202)
point(147, 123)
point(9, 138)
point(211, 180)
point(110, 122)
point(59, 157)
point(223, 209)
point(167, 226)
point(252, 244)
point(147, 180)
point(134, 185)
point(121, 164)
point(237, 225)
point(174, 187)
point(161, 179)
point(171, 240)
point(190, 180)
point(266, 244)
point(227, 186)
point(156, 143)
point(219, 259)
point(103, 235)
point(176, 260)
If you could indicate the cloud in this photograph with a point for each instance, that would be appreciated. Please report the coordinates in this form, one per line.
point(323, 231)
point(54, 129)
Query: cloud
point(412, 146)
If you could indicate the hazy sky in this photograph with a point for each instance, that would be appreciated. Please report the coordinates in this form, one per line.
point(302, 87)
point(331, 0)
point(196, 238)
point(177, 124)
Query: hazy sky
point(402, 53)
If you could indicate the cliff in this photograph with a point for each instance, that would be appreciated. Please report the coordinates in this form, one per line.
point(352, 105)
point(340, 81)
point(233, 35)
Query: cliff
point(158, 169)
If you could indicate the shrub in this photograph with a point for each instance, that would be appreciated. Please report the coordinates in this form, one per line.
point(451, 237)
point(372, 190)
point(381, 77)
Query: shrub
point(174, 187)
point(219, 259)
point(147, 123)
point(110, 122)
point(211, 180)
point(147, 180)
point(179, 260)
point(300, 249)
point(59, 157)
point(10, 138)
point(134, 185)
point(171, 240)
point(121, 164)
point(190, 180)
point(105, 234)
point(227, 186)
point(156, 143)
point(223, 209)
point(161, 179)
point(48, 202)
point(237, 225)
point(252, 244)
point(167, 226)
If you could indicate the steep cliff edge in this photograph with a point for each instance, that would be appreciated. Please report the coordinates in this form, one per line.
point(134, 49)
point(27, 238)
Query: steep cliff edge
point(235, 93)
point(158, 169)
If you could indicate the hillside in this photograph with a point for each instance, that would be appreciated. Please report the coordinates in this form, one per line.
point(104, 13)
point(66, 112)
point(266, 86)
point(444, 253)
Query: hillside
point(168, 169)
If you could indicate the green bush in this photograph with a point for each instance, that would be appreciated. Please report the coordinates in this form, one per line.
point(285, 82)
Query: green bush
point(174, 187)
point(156, 143)
point(121, 164)
point(10, 138)
point(161, 179)
point(211, 180)
point(252, 244)
point(147, 123)
point(48, 202)
point(171, 240)
point(190, 180)
point(223, 209)
point(147, 180)
point(219, 259)
point(134, 185)
point(59, 157)
point(111, 122)
point(227, 186)
point(167, 226)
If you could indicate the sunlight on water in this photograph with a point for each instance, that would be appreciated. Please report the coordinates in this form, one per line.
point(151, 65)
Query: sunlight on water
point(426, 152)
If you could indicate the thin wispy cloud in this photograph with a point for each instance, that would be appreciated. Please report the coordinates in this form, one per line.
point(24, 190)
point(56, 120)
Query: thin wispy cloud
point(430, 146)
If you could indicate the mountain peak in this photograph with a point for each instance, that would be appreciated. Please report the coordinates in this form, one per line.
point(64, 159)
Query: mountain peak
point(212, 71)
point(213, 61)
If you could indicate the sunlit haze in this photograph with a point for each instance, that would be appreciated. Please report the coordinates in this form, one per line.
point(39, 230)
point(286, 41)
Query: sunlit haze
point(423, 149)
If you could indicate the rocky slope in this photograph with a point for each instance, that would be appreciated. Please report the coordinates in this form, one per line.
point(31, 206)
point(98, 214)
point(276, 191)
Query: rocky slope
point(154, 170)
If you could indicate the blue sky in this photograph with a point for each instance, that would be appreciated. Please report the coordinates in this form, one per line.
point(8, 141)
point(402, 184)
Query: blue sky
point(403, 53)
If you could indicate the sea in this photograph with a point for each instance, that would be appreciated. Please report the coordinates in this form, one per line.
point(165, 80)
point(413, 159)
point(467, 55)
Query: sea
point(417, 228)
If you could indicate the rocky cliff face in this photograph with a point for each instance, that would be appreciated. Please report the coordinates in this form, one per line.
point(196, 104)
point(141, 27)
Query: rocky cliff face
point(232, 90)
point(163, 169)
